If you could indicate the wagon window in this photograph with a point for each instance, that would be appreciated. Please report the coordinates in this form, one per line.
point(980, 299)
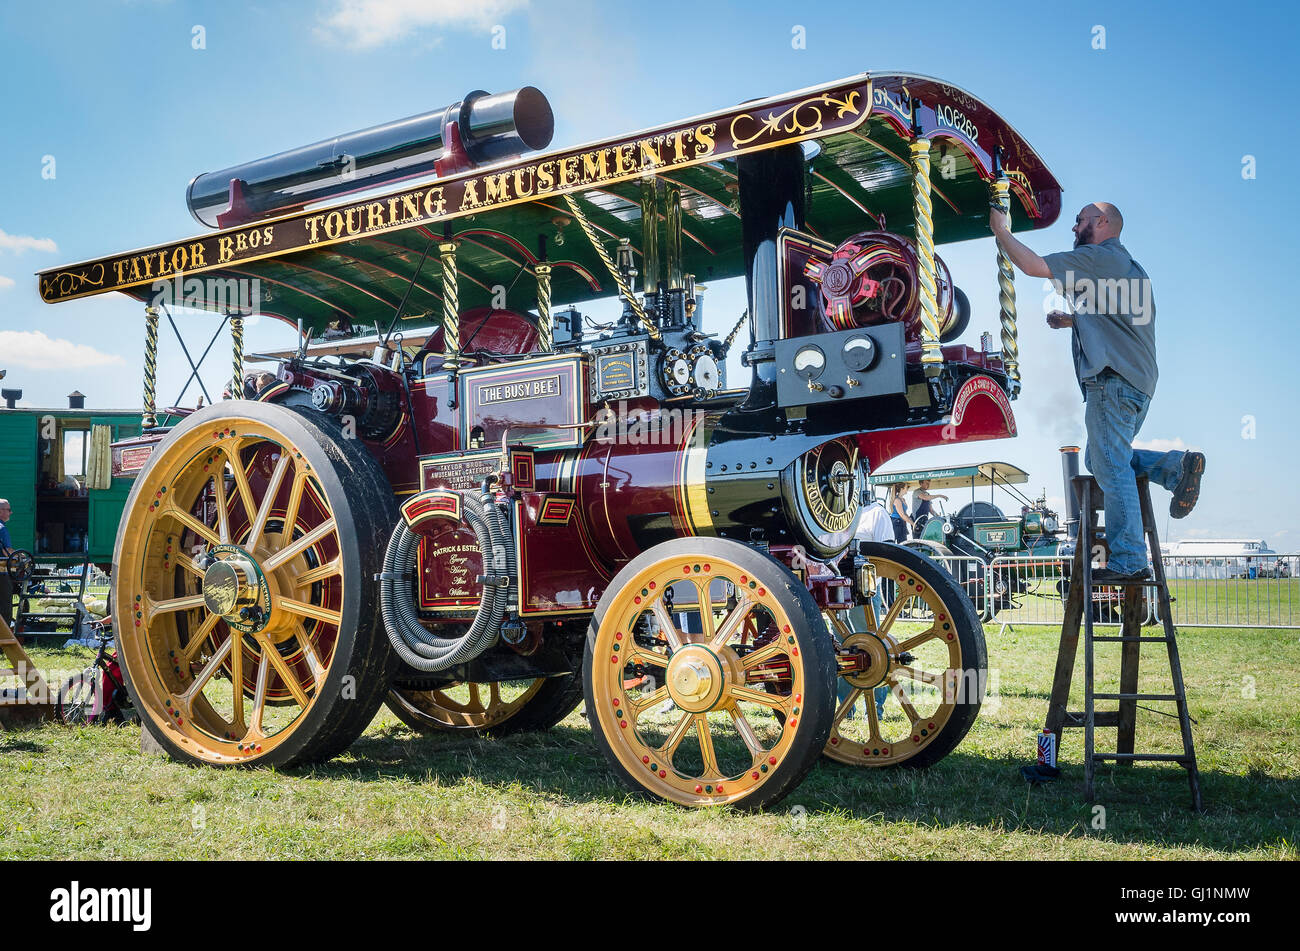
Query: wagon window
point(74, 452)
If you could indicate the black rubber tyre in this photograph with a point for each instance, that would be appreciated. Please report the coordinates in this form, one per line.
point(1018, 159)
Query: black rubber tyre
point(362, 662)
point(970, 637)
point(806, 627)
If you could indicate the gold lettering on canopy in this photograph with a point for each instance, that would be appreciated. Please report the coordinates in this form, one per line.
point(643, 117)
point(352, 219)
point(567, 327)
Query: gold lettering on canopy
point(836, 109)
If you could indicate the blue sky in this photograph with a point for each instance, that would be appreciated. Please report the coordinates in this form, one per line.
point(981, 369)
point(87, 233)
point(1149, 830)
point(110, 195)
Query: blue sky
point(1158, 122)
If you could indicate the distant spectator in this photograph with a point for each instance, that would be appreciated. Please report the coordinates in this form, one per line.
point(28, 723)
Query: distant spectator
point(898, 511)
point(922, 505)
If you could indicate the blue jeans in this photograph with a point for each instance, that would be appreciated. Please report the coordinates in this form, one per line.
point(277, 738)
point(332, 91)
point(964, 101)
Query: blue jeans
point(1114, 414)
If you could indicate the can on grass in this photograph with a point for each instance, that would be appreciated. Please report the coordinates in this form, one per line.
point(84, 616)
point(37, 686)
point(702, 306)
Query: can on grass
point(1047, 748)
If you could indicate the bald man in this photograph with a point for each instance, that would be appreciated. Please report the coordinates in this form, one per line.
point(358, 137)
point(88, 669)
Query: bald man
point(1113, 339)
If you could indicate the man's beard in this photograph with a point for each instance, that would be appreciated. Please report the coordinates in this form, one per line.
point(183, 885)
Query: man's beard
point(1084, 236)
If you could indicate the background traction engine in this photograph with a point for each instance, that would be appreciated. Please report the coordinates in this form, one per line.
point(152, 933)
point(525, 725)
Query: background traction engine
point(532, 510)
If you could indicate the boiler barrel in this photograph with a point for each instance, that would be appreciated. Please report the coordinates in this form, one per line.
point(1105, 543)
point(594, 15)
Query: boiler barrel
point(492, 127)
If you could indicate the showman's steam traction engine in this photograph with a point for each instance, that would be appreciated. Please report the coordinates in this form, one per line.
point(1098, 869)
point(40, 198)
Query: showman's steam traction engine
point(531, 507)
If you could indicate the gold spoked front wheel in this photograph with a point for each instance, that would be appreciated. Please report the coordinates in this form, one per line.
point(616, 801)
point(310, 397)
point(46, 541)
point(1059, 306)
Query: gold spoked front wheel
point(912, 665)
point(709, 675)
point(463, 706)
point(237, 593)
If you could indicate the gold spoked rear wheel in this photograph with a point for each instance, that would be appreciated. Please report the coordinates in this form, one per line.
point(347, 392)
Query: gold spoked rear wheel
point(924, 646)
point(709, 675)
point(233, 587)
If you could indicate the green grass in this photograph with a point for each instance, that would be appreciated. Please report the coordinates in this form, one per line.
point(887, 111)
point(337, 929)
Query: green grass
point(90, 792)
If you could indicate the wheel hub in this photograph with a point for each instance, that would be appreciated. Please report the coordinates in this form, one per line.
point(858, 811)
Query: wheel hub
point(877, 653)
point(230, 585)
point(696, 678)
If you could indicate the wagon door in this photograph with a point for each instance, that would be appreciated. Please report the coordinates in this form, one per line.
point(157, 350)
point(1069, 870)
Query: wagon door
point(18, 475)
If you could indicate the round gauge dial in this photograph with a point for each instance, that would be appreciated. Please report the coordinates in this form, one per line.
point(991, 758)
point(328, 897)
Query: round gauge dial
point(809, 362)
point(859, 352)
point(705, 372)
point(676, 372)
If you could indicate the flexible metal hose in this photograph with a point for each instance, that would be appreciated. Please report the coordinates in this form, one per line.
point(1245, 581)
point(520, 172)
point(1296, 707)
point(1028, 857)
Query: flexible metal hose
point(414, 643)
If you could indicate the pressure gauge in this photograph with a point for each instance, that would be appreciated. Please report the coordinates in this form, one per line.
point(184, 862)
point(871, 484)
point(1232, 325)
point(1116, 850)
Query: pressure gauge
point(809, 362)
point(859, 353)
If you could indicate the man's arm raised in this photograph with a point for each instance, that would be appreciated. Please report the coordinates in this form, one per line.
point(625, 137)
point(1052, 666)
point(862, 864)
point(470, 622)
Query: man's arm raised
point(1023, 258)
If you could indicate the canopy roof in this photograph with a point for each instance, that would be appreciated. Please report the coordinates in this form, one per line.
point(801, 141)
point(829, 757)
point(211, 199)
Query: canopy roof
point(349, 264)
point(981, 474)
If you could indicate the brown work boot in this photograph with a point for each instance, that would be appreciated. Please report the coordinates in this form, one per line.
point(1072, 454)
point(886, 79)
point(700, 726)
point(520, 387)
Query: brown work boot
point(1189, 485)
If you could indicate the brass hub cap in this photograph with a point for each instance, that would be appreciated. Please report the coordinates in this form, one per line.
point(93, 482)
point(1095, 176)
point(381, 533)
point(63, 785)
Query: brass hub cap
point(229, 586)
point(877, 660)
point(696, 679)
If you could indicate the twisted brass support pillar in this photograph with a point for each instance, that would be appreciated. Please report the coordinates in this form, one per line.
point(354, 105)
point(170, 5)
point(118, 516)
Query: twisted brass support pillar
point(931, 352)
point(623, 287)
point(149, 418)
point(1001, 195)
point(450, 306)
point(545, 328)
point(237, 355)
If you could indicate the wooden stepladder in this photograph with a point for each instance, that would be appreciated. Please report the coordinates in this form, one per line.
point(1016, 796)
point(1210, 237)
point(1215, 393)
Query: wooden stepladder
point(1079, 607)
point(32, 701)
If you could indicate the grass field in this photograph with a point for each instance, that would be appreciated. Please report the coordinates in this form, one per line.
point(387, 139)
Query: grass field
point(90, 793)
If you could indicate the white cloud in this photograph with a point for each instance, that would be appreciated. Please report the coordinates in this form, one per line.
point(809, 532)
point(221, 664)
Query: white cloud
point(33, 349)
point(24, 242)
point(1160, 445)
point(366, 24)
point(6, 282)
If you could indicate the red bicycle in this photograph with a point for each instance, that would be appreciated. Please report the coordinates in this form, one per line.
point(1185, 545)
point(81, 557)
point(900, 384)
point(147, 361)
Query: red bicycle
point(96, 694)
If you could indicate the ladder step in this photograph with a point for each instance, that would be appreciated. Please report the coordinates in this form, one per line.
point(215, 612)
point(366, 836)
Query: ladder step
point(1142, 583)
point(1135, 696)
point(1149, 757)
point(1130, 640)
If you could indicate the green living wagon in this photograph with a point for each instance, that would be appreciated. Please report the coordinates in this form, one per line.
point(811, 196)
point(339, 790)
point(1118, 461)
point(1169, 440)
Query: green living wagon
point(61, 513)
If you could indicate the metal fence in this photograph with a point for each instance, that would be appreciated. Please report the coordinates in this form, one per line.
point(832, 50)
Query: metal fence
point(1205, 590)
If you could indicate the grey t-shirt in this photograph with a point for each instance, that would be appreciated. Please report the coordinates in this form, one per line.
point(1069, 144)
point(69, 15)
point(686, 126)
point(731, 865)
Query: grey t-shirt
point(1114, 312)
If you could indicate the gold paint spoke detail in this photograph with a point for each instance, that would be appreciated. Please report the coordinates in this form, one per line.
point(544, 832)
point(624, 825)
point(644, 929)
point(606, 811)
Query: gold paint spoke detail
point(306, 609)
point(900, 695)
point(240, 475)
point(747, 733)
point(328, 570)
point(187, 563)
point(313, 659)
point(171, 605)
point(749, 695)
point(223, 504)
point(675, 738)
point(900, 601)
point(268, 500)
point(842, 710)
point(732, 622)
point(707, 752)
point(298, 546)
point(637, 707)
point(287, 676)
point(666, 625)
point(255, 727)
point(200, 637)
point(294, 504)
point(924, 676)
point(189, 521)
point(644, 655)
point(186, 699)
point(762, 655)
point(915, 640)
